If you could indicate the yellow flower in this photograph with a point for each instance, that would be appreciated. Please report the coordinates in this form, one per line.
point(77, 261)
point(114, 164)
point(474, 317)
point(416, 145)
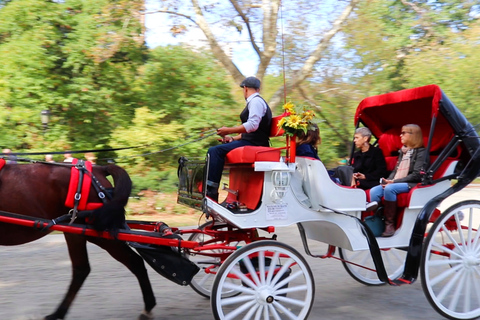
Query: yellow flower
point(297, 121)
point(308, 115)
point(289, 107)
point(294, 121)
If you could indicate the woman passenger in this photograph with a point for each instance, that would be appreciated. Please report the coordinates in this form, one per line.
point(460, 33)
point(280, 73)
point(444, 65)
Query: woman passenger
point(405, 175)
point(368, 162)
point(307, 144)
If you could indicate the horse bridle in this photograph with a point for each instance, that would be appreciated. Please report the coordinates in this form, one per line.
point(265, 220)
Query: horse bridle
point(101, 191)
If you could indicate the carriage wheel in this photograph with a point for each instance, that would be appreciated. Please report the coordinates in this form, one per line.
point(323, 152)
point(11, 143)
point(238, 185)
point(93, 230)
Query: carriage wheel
point(450, 266)
point(359, 261)
point(276, 283)
point(202, 282)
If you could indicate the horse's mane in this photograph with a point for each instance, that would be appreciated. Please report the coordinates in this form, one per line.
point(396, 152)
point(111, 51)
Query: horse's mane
point(111, 216)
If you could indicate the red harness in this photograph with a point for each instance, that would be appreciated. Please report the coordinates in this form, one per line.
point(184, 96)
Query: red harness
point(74, 187)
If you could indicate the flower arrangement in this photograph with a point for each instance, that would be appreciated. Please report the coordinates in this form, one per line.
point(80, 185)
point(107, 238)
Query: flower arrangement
point(296, 121)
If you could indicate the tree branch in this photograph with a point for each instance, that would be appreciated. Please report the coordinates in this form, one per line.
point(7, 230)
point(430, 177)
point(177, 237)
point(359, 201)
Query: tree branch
point(214, 45)
point(307, 68)
point(318, 109)
point(247, 23)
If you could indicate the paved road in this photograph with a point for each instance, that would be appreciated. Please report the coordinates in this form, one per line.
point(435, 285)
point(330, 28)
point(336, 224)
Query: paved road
point(34, 277)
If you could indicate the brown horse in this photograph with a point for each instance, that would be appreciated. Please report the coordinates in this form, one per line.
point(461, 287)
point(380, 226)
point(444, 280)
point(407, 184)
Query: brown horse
point(40, 189)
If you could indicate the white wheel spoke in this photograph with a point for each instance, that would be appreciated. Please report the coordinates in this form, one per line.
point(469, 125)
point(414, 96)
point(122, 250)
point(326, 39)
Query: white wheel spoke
point(274, 312)
point(255, 309)
point(204, 279)
point(261, 267)
point(238, 288)
point(288, 280)
point(442, 263)
point(291, 289)
point(243, 277)
point(295, 302)
point(251, 270)
point(460, 233)
point(237, 299)
point(392, 256)
point(447, 250)
point(272, 270)
point(239, 310)
point(469, 235)
point(456, 295)
point(282, 271)
point(467, 293)
point(476, 284)
point(265, 313)
point(284, 310)
point(363, 269)
point(444, 275)
point(258, 314)
point(455, 243)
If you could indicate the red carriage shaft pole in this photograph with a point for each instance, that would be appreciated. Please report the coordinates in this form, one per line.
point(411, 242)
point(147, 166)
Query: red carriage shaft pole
point(88, 231)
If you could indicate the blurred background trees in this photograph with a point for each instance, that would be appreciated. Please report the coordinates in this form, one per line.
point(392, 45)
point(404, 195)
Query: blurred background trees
point(88, 63)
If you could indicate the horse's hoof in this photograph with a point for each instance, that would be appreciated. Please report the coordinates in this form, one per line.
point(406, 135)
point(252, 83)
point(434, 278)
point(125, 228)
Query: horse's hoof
point(145, 316)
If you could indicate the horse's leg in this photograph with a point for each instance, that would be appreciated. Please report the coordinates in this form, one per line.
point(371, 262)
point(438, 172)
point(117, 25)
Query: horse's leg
point(77, 249)
point(123, 253)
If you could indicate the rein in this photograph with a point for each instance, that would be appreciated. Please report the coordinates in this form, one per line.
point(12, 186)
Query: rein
point(7, 156)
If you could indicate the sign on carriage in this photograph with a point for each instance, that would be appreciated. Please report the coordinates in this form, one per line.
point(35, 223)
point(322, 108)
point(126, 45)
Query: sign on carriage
point(277, 212)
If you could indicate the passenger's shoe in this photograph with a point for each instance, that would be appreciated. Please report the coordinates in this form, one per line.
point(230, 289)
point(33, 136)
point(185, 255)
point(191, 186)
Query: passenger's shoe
point(371, 206)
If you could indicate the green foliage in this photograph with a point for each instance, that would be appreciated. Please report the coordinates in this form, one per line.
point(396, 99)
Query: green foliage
point(454, 65)
point(184, 94)
point(86, 62)
point(384, 33)
point(74, 58)
point(156, 180)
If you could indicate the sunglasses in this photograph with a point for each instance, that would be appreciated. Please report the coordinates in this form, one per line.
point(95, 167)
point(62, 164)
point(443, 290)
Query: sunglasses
point(404, 133)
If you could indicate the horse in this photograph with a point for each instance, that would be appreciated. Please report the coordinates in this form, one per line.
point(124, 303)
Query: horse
point(40, 189)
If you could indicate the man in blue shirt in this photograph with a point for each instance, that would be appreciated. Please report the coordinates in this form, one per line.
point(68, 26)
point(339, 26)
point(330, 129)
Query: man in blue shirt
point(254, 131)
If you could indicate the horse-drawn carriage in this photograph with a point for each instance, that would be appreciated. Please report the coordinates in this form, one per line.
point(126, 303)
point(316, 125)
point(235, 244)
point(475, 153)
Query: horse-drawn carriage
point(248, 275)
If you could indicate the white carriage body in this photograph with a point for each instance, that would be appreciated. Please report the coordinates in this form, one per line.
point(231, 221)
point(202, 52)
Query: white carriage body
point(310, 182)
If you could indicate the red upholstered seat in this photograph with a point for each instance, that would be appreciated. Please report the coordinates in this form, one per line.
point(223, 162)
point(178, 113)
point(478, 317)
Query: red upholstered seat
point(390, 143)
point(243, 179)
point(250, 154)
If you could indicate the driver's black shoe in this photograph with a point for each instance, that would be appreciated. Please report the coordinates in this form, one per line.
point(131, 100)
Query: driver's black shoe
point(212, 194)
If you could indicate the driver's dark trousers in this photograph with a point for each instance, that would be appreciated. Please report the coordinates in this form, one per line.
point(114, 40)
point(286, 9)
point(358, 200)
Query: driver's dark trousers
point(217, 161)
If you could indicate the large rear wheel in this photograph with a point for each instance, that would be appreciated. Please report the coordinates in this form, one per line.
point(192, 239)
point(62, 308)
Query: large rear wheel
point(450, 266)
point(275, 283)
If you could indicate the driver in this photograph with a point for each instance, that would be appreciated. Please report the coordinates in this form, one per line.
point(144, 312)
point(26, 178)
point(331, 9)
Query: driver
point(254, 131)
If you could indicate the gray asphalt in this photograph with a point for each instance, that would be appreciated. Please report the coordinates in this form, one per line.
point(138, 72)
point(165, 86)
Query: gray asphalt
point(35, 276)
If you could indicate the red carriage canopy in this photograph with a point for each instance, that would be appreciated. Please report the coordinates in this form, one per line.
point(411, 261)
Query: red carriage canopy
point(385, 115)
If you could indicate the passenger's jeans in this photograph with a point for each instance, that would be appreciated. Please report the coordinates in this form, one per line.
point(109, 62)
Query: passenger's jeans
point(217, 160)
point(389, 192)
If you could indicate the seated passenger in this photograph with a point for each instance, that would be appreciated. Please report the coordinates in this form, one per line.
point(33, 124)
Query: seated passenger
point(307, 144)
point(368, 162)
point(405, 175)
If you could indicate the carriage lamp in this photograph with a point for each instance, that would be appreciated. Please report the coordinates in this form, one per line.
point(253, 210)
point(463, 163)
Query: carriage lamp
point(281, 182)
point(45, 118)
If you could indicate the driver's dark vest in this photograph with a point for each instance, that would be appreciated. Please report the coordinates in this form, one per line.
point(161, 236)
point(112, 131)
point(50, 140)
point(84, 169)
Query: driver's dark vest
point(260, 137)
